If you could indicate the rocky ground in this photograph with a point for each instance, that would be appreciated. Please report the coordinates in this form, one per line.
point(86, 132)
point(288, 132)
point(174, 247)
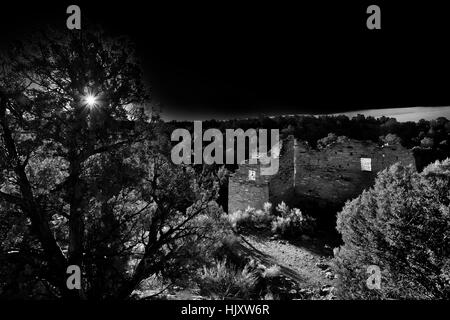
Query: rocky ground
point(305, 268)
point(307, 263)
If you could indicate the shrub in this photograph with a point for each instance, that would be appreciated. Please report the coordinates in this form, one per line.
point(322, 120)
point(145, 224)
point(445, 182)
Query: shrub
point(427, 142)
point(291, 222)
point(262, 218)
point(229, 248)
point(251, 218)
point(326, 141)
point(213, 238)
point(271, 272)
point(402, 225)
point(237, 218)
point(223, 281)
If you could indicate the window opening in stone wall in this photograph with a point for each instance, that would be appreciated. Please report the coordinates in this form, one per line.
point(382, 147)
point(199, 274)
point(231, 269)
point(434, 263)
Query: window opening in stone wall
point(251, 175)
point(366, 164)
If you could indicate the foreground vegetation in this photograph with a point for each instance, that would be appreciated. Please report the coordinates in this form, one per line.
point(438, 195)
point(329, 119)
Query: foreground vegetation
point(401, 225)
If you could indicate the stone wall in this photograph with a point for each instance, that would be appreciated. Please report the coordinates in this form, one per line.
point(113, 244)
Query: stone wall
point(334, 174)
point(243, 192)
point(281, 185)
point(311, 178)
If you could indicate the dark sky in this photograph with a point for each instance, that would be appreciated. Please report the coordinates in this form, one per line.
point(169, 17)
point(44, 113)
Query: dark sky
point(226, 60)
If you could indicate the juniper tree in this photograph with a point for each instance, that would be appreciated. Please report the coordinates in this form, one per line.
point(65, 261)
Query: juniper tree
point(402, 226)
point(84, 175)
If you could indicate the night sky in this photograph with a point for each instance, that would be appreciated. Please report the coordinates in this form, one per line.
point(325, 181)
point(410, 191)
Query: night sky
point(227, 60)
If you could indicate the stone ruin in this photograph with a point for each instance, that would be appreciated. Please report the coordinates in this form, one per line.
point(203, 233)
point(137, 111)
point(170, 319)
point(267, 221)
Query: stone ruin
point(323, 177)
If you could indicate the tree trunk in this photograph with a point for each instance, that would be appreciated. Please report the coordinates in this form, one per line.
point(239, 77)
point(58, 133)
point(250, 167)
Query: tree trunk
point(40, 226)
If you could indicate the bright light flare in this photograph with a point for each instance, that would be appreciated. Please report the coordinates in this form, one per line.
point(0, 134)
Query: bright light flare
point(90, 100)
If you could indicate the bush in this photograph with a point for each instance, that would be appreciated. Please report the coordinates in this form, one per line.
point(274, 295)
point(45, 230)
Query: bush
point(223, 281)
point(213, 238)
point(229, 248)
point(402, 225)
point(251, 218)
point(291, 222)
point(271, 272)
point(326, 141)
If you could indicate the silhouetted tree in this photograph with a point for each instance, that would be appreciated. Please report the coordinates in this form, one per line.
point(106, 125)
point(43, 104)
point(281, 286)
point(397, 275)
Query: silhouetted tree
point(85, 177)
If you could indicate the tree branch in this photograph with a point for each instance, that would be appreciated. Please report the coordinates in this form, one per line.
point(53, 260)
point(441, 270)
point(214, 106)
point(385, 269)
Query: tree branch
point(10, 198)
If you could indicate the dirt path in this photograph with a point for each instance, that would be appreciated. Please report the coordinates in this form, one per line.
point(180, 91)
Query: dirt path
point(307, 267)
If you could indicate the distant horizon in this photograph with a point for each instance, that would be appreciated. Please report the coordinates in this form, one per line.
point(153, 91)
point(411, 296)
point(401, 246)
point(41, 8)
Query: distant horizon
point(413, 114)
point(401, 114)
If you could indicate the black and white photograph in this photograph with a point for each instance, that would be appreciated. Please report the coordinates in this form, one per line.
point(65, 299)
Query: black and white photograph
point(222, 158)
